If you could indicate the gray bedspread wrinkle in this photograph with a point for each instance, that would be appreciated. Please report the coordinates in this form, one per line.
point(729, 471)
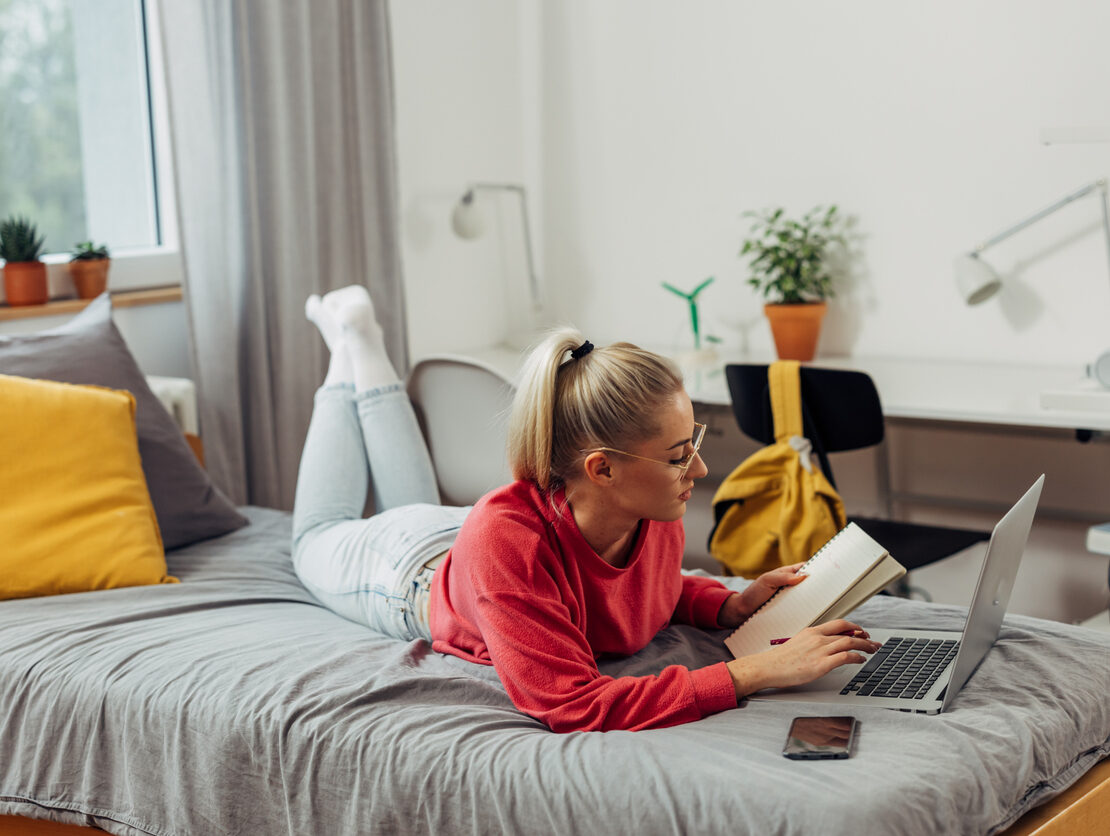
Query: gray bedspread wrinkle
point(232, 703)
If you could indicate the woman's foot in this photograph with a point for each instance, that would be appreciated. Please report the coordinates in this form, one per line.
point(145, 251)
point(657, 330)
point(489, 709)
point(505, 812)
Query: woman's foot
point(351, 309)
point(319, 316)
point(339, 369)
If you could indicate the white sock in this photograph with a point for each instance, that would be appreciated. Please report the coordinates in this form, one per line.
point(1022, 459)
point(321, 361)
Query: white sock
point(362, 336)
point(339, 369)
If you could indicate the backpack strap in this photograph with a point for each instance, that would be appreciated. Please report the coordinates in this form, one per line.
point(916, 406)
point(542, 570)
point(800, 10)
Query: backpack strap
point(784, 378)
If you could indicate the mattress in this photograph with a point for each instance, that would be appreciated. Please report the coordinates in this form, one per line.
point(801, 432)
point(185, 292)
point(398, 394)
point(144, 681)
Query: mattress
point(234, 703)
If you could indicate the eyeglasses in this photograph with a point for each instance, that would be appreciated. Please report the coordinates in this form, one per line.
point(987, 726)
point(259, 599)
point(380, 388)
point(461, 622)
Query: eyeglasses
point(682, 465)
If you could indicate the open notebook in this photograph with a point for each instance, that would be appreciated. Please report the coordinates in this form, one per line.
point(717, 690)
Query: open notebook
point(844, 573)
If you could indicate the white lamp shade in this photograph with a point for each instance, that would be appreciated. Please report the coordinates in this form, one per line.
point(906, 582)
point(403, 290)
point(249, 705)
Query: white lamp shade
point(467, 219)
point(1100, 369)
point(976, 279)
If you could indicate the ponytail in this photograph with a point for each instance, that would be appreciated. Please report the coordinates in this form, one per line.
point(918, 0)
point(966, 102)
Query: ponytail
point(573, 396)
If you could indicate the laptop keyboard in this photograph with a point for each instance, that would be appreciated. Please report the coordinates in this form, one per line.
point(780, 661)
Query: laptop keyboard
point(903, 668)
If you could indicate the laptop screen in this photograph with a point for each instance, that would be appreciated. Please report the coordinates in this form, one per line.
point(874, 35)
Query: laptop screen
point(992, 592)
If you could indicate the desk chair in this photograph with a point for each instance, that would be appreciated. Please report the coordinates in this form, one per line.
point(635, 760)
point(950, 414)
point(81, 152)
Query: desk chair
point(841, 411)
point(463, 409)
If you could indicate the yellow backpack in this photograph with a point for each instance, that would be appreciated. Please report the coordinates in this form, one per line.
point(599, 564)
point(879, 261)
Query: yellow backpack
point(776, 507)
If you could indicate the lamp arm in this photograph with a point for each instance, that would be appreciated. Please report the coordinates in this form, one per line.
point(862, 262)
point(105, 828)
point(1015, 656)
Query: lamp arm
point(533, 279)
point(1106, 221)
point(1048, 210)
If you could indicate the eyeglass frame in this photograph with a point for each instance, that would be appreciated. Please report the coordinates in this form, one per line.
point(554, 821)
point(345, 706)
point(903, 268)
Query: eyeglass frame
point(682, 467)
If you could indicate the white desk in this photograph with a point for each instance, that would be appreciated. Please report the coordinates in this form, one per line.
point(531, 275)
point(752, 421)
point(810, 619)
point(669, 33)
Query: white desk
point(943, 390)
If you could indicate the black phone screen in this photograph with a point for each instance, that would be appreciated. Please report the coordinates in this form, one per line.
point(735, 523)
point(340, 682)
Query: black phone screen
point(820, 738)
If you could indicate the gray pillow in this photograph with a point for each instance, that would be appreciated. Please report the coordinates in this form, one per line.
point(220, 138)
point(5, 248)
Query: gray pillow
point(90, 350)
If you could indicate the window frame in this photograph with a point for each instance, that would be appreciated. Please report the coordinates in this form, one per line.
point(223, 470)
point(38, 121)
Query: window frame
point(160, 265)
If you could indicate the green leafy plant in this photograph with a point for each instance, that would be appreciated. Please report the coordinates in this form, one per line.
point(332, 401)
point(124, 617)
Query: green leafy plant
point(19, 240)
point(87, 251)
point(789, 258)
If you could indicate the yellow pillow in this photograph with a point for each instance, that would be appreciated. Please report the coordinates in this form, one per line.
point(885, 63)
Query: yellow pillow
point(75, 513)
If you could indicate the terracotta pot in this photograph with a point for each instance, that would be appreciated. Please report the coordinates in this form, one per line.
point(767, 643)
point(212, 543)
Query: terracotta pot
point(90, 276)
point(25, 283)
point(796, 328)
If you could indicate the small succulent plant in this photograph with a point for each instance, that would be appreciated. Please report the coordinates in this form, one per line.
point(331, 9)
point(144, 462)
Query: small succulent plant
point(19, 240)
point(87, 251)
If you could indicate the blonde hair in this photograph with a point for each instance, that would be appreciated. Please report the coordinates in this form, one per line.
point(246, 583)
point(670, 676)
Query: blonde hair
point(608, 397)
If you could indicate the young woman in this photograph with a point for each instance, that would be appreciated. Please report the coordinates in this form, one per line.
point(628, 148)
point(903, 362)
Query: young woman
point(578, 559)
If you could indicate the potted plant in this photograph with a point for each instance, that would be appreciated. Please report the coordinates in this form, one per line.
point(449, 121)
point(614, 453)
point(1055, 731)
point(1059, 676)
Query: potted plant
point(789, 266)
point(24, 274)
point(88, 267)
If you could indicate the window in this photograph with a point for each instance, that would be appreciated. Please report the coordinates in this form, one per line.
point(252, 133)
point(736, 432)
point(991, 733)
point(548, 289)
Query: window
point(80, 132)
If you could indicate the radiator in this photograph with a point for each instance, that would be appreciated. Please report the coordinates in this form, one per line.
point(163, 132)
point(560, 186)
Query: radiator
point(179, 396)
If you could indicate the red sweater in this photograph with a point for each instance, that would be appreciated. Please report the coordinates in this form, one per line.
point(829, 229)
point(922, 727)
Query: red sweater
point(522, 590)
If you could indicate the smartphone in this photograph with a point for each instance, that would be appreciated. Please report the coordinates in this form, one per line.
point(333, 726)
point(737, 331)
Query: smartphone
point(820, 738)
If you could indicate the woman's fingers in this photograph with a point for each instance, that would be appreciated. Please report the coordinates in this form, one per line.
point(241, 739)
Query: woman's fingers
point(833, 646)
point(839, 625)
point(851, 643)
point(852, 659)
point(844, 657)
point(775, 579)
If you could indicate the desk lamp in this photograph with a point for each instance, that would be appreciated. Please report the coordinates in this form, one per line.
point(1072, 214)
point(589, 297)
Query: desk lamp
point(978, 281)
point(468, 222)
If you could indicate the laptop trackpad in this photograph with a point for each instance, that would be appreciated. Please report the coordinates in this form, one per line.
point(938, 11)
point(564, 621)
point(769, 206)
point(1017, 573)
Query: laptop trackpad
point(833, 681)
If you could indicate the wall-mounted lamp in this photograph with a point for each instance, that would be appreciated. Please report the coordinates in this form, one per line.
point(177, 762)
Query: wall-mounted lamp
point(468, 222)
point(978, 281)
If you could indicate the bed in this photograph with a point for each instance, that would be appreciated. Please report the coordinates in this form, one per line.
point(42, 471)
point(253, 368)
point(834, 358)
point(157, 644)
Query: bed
point(233, 703)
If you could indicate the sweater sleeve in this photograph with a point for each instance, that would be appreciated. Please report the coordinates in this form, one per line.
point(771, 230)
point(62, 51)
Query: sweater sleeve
point(549, 671)
point(700, 602)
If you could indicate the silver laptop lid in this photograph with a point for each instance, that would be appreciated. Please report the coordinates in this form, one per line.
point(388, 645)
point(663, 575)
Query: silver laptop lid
point(992, 592)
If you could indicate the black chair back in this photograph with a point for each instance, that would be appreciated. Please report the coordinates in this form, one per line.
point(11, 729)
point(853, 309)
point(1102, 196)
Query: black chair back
point(841, 411)
point(840, 408)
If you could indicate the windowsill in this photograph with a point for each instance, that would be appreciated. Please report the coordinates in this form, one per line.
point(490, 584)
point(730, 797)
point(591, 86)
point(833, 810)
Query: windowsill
point(120, 299)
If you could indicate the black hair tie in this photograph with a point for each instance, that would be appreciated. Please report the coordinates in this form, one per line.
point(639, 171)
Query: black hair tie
point(582, 350)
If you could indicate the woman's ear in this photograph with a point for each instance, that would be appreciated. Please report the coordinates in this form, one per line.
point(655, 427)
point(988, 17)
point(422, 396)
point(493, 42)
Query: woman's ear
point(597, 468)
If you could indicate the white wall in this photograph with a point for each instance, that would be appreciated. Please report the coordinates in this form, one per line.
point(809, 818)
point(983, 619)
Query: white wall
point(461, 85)
point(157, 335)
point(667, 120)
point(645, 128)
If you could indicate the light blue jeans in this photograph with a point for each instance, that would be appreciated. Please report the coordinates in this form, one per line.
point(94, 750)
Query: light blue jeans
point(370, 570)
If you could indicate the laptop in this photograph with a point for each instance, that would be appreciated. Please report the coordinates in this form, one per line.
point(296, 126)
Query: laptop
point(923, 670)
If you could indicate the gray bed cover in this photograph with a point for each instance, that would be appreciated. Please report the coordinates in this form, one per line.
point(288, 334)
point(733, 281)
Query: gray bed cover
point(233, 703)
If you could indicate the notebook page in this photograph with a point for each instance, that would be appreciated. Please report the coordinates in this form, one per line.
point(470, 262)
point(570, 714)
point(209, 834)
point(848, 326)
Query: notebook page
point(885, 573)
point(836, 568)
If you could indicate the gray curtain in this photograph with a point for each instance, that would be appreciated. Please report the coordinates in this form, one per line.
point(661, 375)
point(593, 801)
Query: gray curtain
point(282, 124)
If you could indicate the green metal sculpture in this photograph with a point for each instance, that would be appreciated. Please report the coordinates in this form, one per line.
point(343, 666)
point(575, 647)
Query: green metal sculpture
point(692, 300)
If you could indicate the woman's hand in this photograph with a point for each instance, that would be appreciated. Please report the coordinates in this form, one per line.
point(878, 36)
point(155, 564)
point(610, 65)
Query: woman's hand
point(739, 606)
point(810, 654)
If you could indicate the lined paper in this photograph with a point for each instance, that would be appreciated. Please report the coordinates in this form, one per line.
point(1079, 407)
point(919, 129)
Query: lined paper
point(832, 572)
